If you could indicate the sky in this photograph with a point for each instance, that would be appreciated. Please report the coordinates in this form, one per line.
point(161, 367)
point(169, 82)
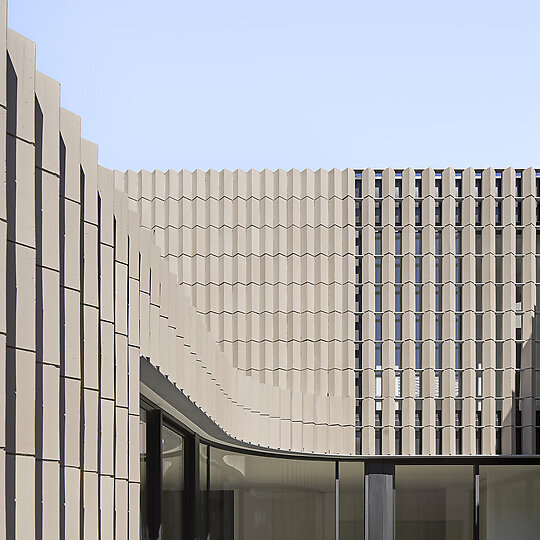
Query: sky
point(207, 84)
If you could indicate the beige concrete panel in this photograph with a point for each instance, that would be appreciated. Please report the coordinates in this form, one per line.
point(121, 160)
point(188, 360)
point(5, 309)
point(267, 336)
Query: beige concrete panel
point(90, 285)
point(50, 499)
point(121, 300)
point(24, 495)
point(133, 380)
point(51, 316)
point(72, 422)
point(107, 436)
point(50, 250)
point(3, 276)
point(72, 502)
point(2, 392)
point(121, 510)
point(133, 448)
point(91, 416)
point(107, 360)
point(105, 184)
point(72, 335)
point(70, 132)
point(89, 157)
point(134, 245)
point(106, 507)
point(25, 387)
point(22, 54)
point(106, 283)
point(91, 347)
point(3, 194)
point(48, 96)
point(144, 324)
point(154, 339)
point(121, 443)
point(133, 511)
point(50, 434)
point(91, 504)
point(21, 197)
point(121, 217)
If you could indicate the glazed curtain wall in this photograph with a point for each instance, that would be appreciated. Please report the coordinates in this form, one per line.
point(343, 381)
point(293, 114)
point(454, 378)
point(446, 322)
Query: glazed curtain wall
point(245, 496)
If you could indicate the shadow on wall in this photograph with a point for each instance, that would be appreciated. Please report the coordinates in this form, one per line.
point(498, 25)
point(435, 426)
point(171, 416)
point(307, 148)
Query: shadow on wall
point(11, 297)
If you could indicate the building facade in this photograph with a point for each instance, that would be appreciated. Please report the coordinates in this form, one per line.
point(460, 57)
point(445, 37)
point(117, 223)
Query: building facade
point(276, 354)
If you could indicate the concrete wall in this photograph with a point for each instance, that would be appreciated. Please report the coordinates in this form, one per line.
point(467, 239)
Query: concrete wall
point(87, 287)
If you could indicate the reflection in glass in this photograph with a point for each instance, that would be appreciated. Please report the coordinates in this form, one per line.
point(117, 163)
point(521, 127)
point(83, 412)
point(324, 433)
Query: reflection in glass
point(261, 498)
point(142, 459)
point(203, 483)
point(434, 502)
point(172, 485)
point(509, 502)
point(351, 501)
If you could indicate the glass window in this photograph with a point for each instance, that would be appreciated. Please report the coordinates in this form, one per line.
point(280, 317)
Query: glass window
point(458, 243)
point(398, 248)
point(351, 501)
point(458, 270)
point(378, 214)
point(397, 354)
point(478, 213)
point(434, 501)
point(438, 242)
point(418, 328)
point(398, 188)
point(378, 185)
point(498, 186)
point(418, 243)
point(398, 212)
point(172, 494)
point(418, 299)
point(398, 335)
point(438, 187)
point(458, 213)
point(398, 304)
point(203, 482)
point(418, 270)
point(438, 213)
point(378, 327)
point(143, 487)
point(358, 212)
point(418, 213)
point(378, 385)
point(358, 185)
point(438, 298)
point(417, 356)
point(478, 185)
point(261, 498)
point(378, 298)
point(398, 269)
point(418, 186)
point(509, 502)
point(378, 242)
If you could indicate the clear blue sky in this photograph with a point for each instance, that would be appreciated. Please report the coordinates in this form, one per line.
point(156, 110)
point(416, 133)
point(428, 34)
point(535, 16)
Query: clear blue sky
point(295, 83)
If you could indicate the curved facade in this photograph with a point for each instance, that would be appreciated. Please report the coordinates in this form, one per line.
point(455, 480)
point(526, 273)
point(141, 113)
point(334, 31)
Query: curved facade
point(195, 354)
